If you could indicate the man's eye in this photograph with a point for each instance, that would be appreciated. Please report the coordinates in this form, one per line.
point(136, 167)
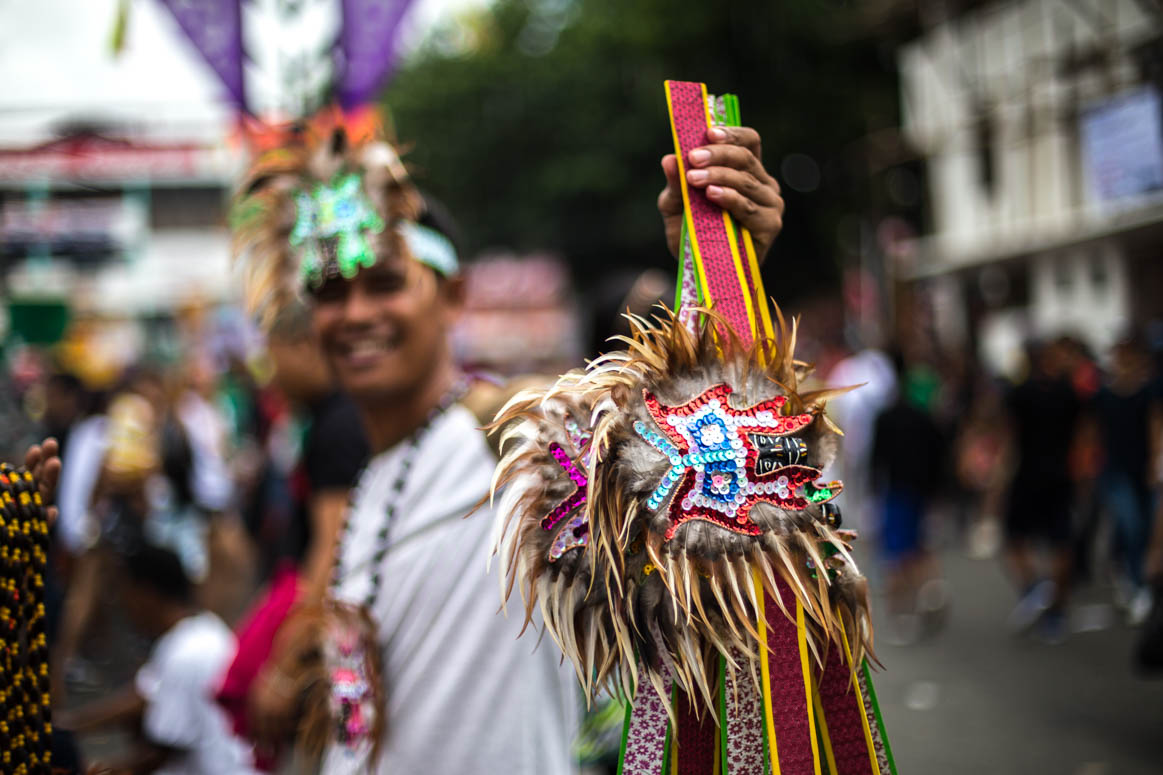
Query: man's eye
point(330, 291)
point(386, 282)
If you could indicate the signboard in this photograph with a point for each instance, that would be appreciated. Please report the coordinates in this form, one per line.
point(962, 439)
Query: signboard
point(95, 159)
point(1122, 146)
point(84, 229)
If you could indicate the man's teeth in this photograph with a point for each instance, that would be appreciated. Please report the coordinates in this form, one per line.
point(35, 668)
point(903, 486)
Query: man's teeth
point(359, 349)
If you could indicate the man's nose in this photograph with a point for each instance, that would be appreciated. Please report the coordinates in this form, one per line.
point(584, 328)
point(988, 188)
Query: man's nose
point(358, 305)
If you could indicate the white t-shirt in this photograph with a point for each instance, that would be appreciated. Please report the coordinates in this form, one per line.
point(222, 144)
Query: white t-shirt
point(88, 440)
point(178, 684)
point(464, 694)
point(206, 433)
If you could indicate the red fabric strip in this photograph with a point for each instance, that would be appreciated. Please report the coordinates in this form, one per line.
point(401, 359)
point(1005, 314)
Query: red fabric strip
point(841, 704)
point(789, 698)
point(710, 232)
point(696, 738)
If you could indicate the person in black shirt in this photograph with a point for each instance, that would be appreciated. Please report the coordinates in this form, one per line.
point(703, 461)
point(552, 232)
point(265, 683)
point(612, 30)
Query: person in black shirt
point(907, 465)
point(334, 448)
point(1043, 414)
point(1128, 413)
point(332, 452)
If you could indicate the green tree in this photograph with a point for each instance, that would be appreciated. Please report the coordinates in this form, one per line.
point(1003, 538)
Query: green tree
point(546, 133)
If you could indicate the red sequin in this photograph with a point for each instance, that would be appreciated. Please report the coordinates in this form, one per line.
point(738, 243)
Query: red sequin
point(745, 421)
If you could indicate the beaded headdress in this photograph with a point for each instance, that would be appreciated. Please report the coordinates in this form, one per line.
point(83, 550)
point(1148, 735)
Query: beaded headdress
point(321, 205)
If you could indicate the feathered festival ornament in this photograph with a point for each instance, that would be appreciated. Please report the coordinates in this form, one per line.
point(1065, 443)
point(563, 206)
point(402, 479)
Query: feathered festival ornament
point(544, 536)
point(708, 474)
point(714, 573)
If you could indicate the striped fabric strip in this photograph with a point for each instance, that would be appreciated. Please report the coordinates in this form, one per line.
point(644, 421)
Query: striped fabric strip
point(687, 294)
point(723, 110)
point(741, 714)
point(710, 228)
point(887, 766)
point(646, 735)
point(844, 717)
point(788, 688)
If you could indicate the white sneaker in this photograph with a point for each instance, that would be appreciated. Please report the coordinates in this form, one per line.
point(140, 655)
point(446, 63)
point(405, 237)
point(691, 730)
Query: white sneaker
point(1031, 607)
point(1140, 606)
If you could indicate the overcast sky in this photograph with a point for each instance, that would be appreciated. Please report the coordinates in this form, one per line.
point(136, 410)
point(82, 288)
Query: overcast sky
point(56, 63)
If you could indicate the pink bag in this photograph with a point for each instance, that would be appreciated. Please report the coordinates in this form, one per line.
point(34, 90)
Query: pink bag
point(256, 635)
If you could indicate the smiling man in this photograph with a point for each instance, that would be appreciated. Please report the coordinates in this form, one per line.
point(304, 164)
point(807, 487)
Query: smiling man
point(341, 223)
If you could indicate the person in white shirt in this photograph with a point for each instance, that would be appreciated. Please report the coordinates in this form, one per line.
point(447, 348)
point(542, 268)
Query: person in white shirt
point(461, 694)
point(171, 700)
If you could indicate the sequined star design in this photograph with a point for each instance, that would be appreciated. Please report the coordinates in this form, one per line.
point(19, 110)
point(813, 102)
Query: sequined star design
point(575, 533)
point(338, 210)
point(725, 460)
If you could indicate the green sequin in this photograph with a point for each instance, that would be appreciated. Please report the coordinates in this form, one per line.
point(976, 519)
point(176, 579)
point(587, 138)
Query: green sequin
point(818, 494)
point(339, 211)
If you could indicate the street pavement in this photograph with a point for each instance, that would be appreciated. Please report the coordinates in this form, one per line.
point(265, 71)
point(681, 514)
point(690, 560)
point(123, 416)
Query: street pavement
point(976, 699)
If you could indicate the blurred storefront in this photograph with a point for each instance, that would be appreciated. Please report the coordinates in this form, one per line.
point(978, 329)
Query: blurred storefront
point(113, 234)
point(120, 225)
point(1038, 123)
point(116, 164)
point(520, 316)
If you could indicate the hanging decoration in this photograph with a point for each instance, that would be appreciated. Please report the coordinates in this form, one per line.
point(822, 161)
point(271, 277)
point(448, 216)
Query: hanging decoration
point(363, 57)
point(368, 47)
point(215, 29)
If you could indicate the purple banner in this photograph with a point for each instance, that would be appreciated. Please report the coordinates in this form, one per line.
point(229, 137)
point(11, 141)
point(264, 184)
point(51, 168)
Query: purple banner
point(368, 48)
point(215, 29)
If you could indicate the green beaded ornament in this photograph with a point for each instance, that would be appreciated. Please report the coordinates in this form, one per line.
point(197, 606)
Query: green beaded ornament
point(339, 211)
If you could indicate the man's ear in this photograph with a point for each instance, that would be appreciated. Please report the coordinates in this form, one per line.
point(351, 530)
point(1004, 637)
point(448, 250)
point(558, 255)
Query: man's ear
point(453, 291)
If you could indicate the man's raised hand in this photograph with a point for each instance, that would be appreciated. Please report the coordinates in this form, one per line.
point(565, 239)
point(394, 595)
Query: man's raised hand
point(730, 169)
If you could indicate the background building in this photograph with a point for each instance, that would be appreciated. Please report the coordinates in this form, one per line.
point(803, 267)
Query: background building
point(1038, 125)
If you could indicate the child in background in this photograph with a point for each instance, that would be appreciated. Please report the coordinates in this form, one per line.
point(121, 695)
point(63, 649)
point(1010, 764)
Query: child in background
point(184, 732)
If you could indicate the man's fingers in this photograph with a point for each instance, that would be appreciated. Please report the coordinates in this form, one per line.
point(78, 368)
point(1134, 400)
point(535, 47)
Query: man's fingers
point(759, 220)
point(49, 475)
point(32, 457)
point(38, 454)
point(743, 182)
point(744, 136)
point(43, 462)
point(670, 199)
point(733, 156)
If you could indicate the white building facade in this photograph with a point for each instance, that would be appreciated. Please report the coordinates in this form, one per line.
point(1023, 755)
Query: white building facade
point(1039, 122)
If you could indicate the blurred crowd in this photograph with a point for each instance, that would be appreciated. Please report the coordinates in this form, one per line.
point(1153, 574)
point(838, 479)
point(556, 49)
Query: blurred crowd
point(186, 487)
point(1056, 471)
point(189, 490)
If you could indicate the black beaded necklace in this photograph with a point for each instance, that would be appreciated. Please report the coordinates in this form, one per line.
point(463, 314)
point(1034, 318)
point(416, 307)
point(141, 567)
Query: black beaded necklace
point(407, 459)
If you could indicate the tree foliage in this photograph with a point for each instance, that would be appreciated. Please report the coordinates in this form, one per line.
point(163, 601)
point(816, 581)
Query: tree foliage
point(546, 132)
